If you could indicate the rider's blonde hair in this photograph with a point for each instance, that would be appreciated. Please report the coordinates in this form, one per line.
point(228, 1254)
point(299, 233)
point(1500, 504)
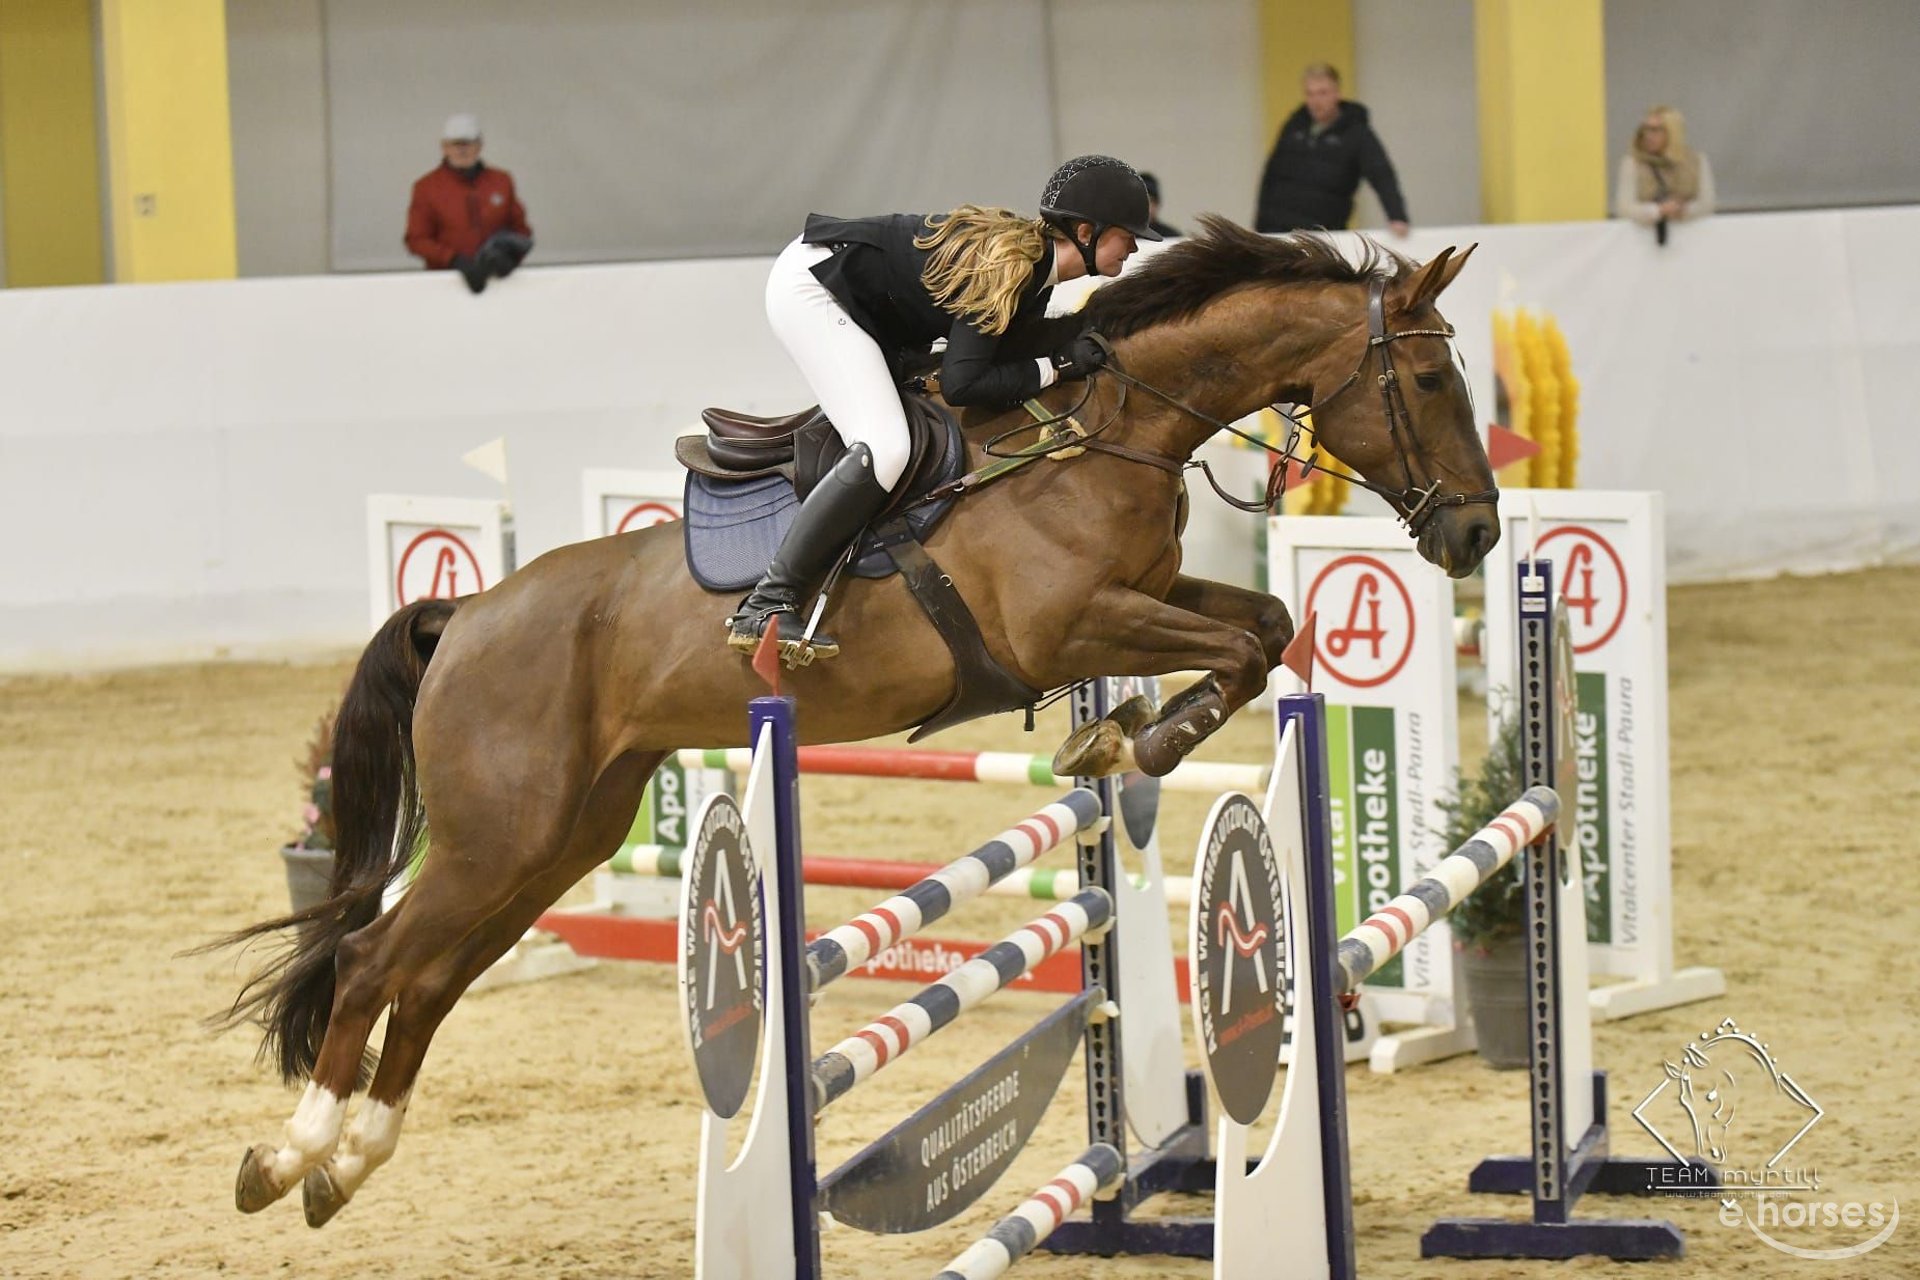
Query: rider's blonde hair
point(982, 261)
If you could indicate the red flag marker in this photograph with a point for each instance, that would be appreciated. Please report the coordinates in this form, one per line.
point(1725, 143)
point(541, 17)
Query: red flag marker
point(1298, 657)
point(1506, 447)
point(766, 659)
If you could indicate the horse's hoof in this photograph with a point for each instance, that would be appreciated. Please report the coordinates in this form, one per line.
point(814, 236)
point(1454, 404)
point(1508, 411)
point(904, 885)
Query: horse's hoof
point(1160, 750)
point(1096, 750)
point(253, 1190)
point(1133, 715)
point(1189, 720)
point(321, 1196)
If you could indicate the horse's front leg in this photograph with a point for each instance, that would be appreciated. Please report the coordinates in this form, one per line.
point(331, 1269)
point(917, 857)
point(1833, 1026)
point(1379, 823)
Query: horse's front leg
point(1254, 611)
point(1125, 632)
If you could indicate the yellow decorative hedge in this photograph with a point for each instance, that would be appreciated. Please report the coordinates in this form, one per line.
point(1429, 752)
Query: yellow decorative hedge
point(1540, 398)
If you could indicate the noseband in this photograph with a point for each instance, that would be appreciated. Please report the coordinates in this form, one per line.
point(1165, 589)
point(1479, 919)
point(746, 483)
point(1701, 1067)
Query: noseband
point(1414, 503)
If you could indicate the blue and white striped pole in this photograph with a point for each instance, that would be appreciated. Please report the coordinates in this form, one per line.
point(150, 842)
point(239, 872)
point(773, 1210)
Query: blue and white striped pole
point(861, 1055)
point(851, 945)
point(1017, 1234)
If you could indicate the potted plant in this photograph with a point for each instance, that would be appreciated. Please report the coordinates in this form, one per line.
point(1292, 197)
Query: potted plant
point(1489, 927)
point(309, 859)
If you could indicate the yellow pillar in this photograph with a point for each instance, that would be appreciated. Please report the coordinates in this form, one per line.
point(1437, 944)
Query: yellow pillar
point(49, 144)
point(1543, 109)
point(1294, 33)
point(169, 142)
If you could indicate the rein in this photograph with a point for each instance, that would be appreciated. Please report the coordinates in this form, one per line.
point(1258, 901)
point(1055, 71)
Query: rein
point(1415, 504)
point(1063, 436)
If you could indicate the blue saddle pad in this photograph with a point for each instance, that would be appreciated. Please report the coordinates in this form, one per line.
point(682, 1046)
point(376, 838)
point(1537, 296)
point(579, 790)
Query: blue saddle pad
point(734, 527)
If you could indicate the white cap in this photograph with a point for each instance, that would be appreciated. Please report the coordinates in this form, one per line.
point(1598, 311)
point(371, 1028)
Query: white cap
point(462, 126)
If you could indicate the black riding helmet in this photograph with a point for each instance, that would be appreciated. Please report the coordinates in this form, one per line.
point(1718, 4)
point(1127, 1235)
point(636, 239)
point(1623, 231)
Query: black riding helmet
point(1101, 190)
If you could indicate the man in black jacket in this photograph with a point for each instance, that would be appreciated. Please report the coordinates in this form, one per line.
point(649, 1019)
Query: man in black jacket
point(1323, 151)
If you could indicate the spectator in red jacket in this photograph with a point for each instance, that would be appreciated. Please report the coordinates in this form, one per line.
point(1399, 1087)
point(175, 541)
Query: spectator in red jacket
point(465, 215)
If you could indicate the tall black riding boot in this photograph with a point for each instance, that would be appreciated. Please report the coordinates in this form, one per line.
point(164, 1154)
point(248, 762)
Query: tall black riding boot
point(832, 516)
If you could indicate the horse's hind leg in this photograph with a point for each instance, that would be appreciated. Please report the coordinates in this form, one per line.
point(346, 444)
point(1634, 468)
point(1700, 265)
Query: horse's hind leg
point(482, 855)
point(267, 1172)
point(424, 1003)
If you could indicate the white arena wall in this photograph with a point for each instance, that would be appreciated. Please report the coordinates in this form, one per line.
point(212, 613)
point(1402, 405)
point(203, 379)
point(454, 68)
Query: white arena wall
point(184, 467)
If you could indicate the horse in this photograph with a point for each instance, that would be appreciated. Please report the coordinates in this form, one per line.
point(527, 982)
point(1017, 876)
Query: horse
point(515, 730)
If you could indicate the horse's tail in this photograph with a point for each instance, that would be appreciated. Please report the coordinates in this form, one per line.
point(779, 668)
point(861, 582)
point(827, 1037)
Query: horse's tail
point(377, 822)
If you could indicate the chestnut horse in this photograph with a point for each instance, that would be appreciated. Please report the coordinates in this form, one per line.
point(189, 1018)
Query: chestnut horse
point(521, 725)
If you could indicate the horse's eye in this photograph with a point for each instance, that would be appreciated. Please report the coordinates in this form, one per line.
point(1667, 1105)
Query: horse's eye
point(1427, 381)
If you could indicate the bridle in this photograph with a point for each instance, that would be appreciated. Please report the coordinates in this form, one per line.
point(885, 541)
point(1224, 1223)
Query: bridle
point(1414, 503)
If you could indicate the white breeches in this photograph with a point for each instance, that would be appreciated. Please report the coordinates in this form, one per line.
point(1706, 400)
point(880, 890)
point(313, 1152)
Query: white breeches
point(839, 361)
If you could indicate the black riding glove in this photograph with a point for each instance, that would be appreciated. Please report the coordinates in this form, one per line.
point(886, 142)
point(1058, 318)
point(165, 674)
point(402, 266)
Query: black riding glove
point(471, 271)
point(1080, 357)
point(503, 252)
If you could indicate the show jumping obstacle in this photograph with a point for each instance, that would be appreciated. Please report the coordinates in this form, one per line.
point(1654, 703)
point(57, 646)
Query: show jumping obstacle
point(1265, 933)
point(1299, 1191)
point(980, 1124)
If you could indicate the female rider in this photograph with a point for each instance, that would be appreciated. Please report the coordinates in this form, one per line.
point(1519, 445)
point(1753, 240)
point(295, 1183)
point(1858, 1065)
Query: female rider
point(852, 297)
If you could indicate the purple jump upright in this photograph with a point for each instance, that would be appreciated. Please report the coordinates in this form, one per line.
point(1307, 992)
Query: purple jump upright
point(1569, 1111)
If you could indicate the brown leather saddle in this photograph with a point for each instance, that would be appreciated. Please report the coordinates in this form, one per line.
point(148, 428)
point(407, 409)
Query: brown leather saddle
point(744, 443)
point(802, 447)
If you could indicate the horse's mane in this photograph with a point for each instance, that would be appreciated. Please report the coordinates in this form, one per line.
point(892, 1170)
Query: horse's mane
point(1174, 284)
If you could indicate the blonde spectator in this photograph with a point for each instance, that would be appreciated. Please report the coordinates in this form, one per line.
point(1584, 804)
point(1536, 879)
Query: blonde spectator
point(1662, 179)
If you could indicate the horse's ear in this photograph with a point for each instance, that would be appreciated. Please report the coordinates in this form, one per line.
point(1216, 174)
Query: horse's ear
point(1424, 285)
point(1454, 264)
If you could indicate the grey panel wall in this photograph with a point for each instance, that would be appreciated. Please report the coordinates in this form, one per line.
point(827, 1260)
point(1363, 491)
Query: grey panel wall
point(658, 129)
point(1796, 104)
point(276, 84)
point(1173, 90)
point(1415, 72)
point(670, 130)
point(664, 129)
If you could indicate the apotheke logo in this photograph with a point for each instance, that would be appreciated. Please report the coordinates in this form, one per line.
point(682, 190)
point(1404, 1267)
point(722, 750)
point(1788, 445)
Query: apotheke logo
point(1593, 582)
point(1373, 643)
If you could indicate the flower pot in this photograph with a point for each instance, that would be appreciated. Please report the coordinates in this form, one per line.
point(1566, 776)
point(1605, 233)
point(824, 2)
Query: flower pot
point(1496, 981)
point(309, 873)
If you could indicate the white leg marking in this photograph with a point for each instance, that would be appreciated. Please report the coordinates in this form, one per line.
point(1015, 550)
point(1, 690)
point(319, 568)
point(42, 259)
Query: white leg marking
point(310, 1136)
point(368, 1143)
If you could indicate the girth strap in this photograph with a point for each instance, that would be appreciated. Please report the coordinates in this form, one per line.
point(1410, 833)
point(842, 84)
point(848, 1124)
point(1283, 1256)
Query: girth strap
point(981, 686)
